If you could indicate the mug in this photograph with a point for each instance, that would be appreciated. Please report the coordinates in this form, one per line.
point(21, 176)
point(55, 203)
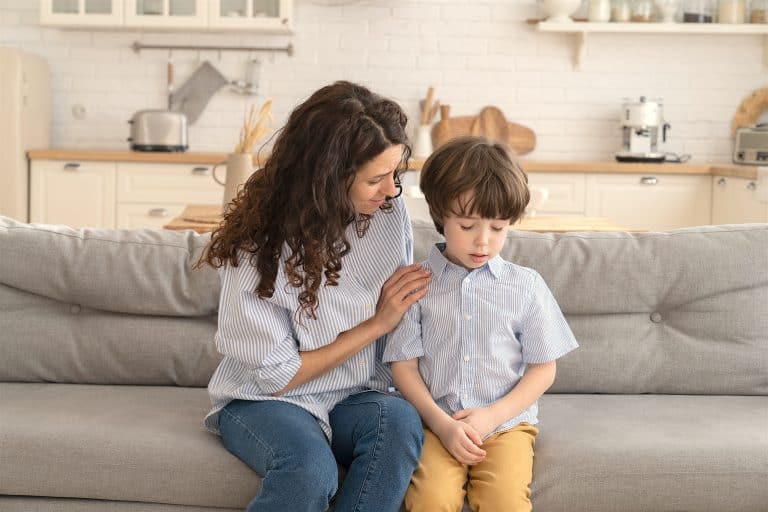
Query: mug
point(239, 169)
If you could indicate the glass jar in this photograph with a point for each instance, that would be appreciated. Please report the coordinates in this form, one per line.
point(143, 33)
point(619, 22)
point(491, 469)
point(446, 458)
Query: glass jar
point(759, 11)
point(698, 11)
point(643, 11)
point(621, 10)
point(731, 11)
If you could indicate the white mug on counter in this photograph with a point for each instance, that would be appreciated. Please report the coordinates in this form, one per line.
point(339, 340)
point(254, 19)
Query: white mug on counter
point(239, 169)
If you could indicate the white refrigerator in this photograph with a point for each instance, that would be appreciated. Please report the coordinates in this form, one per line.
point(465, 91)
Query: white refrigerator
point(25, 123)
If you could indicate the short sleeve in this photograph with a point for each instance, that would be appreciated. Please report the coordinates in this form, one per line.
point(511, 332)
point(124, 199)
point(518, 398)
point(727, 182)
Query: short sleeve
point(544, 335)
point(405, 341)
point(256, 332)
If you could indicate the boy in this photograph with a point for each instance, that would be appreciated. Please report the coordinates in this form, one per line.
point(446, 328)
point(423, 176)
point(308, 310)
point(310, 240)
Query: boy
point(475, 354)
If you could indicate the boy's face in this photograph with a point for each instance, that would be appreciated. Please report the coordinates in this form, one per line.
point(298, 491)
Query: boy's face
point(472, 241)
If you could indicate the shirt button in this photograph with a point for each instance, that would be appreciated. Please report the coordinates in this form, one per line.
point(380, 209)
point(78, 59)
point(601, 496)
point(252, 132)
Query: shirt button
point(466, 358)
point(656, 317)
point(367, 307)
point(467, 317)
point(465, 396)
point(363, 362)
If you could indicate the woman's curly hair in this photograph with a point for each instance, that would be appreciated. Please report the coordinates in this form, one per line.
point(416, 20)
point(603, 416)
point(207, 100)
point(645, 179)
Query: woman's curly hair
point(300, 199)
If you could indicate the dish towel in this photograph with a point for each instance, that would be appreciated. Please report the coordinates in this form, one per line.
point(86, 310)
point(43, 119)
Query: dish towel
point(194, 94)
point(761, 192)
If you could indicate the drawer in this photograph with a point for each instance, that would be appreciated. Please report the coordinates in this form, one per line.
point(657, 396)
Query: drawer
point(168, 183)
point(146, 215)
point(567, 192)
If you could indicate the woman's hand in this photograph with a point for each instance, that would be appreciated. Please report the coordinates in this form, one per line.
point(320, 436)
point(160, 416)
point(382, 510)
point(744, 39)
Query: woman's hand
point(481, 419)
point(406, 286)
point(461, 440)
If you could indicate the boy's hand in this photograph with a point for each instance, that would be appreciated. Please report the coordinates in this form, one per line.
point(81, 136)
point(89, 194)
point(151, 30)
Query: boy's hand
point(481, 419)
point(462, 441)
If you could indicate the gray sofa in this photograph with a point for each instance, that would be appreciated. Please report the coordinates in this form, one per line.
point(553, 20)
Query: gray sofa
point(106, 348)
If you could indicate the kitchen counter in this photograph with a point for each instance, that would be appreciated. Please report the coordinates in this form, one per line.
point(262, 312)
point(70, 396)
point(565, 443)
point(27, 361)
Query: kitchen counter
point(732, 170)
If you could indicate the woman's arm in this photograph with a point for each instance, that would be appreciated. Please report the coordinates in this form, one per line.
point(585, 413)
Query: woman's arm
point(406, 286)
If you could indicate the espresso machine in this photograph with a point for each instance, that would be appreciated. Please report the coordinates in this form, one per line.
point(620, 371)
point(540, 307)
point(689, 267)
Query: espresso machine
point(642, 122)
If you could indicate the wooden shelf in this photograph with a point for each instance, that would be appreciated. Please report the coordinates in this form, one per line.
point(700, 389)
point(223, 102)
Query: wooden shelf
point(583, 29)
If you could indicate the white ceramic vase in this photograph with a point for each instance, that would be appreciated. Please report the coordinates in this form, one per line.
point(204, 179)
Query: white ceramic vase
point(559, 11)
point(239, 169)
point(422, 141)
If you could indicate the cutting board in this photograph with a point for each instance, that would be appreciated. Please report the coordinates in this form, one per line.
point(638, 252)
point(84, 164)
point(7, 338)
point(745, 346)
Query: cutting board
point(490, 123)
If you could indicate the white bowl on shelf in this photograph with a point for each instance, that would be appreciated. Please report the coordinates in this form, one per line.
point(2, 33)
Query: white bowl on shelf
point(559, 11)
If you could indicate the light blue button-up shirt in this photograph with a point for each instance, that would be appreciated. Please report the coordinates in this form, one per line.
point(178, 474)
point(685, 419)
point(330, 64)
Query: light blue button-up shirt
point(475, 332)
point(261, 338)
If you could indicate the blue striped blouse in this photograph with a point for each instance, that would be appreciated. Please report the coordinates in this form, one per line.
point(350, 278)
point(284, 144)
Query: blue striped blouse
point(475, 332)
point(260, 339)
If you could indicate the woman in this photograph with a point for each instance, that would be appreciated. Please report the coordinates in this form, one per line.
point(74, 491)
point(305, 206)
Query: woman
point(312, 259)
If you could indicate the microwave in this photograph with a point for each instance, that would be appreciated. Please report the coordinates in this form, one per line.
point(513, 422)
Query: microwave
point(751, 146)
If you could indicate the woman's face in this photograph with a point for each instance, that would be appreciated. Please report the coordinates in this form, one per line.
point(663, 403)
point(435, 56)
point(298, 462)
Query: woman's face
point(375, 181)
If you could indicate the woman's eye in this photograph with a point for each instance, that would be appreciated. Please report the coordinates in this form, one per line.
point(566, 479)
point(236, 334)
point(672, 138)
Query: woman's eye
point(374, 182)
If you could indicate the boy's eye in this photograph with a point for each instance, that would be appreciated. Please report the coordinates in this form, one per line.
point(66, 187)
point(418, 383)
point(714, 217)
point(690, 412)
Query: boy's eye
point(494, 228)
point(465, 228)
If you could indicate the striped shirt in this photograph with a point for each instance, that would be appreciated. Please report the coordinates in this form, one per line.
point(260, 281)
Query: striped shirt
point(475, 332)
point(260, 339)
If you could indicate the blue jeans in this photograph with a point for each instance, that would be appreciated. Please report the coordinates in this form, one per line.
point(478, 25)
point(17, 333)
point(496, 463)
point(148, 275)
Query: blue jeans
point(377, 438)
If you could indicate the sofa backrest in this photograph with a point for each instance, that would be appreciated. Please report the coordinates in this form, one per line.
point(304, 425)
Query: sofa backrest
point(105, 306)
point(679, 312)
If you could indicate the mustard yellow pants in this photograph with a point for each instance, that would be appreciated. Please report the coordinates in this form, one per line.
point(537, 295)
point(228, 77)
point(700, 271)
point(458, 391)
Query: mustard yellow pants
point(501, 482)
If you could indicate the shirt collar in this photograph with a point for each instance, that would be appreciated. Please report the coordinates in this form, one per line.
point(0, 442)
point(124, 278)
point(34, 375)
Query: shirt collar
point(438, 262)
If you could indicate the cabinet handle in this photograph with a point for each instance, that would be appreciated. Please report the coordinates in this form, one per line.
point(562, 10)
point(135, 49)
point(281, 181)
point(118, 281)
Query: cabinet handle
point(201, 171)
point(71, 166)
point(649, 180)
point(751, 185)
point(721, 182)
point(158, 212)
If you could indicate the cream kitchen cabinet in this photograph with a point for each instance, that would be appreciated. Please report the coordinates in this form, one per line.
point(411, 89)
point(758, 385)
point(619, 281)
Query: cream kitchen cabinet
point(566, 192)
point(117, 194)
point(220, 15)
point(735, 201)
point(650, 202)
point(81, 13)
point(78, 194)
point(166, 13)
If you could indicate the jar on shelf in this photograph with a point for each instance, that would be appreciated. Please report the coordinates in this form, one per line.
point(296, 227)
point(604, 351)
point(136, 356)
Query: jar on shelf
point(621, 10)
point(643, 11)
point(759, 11)
point(599, 11)
point(731, 11)
point(699, 11)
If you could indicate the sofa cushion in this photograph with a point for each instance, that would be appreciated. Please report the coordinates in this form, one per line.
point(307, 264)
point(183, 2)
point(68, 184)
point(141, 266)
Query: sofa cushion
point(674, 312)
point(637, 453)
point(123, 443)
point(595, 452)
point(141, 271)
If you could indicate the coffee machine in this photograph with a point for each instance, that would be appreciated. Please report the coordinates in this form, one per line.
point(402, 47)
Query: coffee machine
point(641, 124)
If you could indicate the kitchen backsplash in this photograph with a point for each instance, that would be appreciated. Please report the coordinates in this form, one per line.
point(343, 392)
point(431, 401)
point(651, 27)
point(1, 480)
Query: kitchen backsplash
point(474, 54)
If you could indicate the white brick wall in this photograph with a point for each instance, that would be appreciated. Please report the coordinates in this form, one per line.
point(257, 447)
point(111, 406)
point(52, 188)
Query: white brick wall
point(475, 54)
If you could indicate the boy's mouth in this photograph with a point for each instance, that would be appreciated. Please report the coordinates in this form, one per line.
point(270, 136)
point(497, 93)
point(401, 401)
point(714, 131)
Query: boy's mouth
point(478, 258)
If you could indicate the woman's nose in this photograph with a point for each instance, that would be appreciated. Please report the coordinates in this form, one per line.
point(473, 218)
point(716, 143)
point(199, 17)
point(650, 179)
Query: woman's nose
point(390, 190)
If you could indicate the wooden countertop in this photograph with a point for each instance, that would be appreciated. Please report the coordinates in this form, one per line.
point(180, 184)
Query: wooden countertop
point(204, 218)
point(732, 170)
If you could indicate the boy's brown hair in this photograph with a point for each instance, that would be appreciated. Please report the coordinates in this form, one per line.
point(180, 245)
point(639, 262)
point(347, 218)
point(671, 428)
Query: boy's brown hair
point(487, 169)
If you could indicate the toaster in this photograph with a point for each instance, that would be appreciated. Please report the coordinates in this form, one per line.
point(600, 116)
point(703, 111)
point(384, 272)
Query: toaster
point(158, 130)
point(751, 145)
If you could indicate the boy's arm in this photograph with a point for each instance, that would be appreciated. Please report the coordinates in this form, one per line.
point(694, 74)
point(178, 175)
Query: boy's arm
point(461, 440)
point(409, 382)
point(538, 377)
